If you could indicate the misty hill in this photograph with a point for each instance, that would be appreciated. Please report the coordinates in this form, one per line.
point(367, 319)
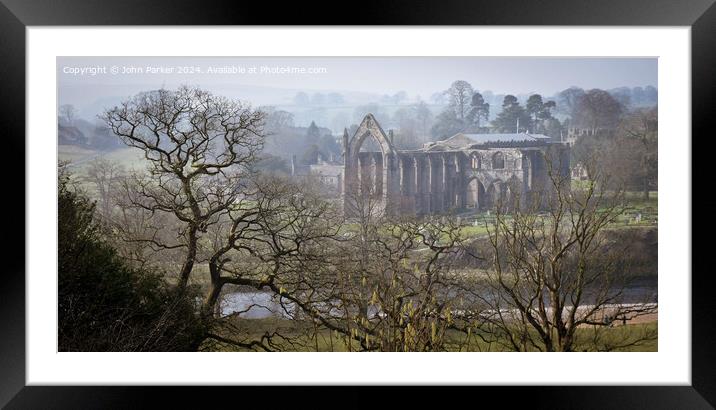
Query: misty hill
point(84, 134)
point(70, 136)
point(91, 101)
point(330, 112)
point(332, 108)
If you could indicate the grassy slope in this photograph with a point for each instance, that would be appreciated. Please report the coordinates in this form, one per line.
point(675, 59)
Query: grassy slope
point(80, 157)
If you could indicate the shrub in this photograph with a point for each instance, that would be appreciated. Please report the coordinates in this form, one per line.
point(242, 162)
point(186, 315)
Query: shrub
point(105, 305)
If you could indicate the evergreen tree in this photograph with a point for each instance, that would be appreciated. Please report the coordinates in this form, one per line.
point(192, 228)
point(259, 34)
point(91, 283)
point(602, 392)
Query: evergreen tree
point(540, 113)
point(313, 134)
point(511, 115)
point(479, 111)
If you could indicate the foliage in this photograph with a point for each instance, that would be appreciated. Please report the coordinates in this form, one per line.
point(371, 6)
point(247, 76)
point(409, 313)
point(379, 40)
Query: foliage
point(370, 283)
point(446, 125)
point(629, 153)
point(479, 112)
point(272, 165)
point(310, 155)
point(541, 115)
point(512, 115)
point(104, 305)
point(312, 134)
point(597, 109)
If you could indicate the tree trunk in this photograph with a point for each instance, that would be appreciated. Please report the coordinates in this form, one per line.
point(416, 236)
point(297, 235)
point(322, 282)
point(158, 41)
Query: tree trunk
point(215, 291)
point(211, 299)
point(188, 261)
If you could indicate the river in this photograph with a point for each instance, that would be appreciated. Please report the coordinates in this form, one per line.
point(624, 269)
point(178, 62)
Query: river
point(262, 305)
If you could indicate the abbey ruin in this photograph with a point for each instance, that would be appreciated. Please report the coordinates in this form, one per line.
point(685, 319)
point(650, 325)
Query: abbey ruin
point(463, 172)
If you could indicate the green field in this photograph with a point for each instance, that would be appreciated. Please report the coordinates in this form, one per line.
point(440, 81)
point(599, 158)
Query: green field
point(300, 336)
point(80, 158)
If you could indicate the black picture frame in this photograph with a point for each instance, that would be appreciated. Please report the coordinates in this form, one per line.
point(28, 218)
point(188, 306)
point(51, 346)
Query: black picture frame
point(16, 15)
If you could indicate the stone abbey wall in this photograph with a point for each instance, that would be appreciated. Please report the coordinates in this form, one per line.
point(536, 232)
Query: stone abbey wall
point(445, 177)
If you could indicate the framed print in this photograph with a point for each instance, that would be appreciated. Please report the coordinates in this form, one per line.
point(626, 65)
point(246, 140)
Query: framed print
point(450, 195)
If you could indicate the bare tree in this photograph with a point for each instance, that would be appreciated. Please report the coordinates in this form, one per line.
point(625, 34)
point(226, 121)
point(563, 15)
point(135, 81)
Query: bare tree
point(371, 282)
point(68, 113)
point(597, 109)
point(199, 148)
point(629, 154)
point(641, 126)
point(460, 97)
point(199, 210)
point(105, 175)
point(557, 272)
point(386, 286)
point(424, 119)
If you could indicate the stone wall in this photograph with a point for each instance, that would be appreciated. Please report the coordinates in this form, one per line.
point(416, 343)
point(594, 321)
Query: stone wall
point(438, 180)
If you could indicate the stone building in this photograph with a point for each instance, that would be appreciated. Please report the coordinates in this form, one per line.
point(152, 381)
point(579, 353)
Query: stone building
point(327, 172)
point(465, 171)
point(574, 134)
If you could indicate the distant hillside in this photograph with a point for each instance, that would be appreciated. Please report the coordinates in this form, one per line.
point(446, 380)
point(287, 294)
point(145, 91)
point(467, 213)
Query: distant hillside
point(70, 136)
point(82, 133)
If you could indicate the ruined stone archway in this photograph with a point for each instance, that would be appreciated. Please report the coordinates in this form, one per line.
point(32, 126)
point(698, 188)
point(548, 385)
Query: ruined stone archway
point(384, 170)
point(475, 198)
point(439, 176)
point(369, 127)
point(513, 194)
point(495, 194)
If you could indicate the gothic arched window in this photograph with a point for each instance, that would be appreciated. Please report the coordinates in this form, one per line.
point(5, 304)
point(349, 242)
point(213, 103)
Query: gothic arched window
point(498, 161)
point(527, 167)
point(475, 161)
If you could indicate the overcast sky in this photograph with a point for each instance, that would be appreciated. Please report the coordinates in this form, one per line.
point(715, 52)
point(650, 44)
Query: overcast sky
point(381, 75)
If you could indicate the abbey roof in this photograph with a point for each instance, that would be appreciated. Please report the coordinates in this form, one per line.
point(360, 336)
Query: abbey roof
point(463, 141)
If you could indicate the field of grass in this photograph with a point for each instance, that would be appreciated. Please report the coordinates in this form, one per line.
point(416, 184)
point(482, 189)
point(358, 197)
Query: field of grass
point(629, 338)
point(638, 213)
point(74, 153)
point(473, 230)
point(80, 158)
point(300, 336)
